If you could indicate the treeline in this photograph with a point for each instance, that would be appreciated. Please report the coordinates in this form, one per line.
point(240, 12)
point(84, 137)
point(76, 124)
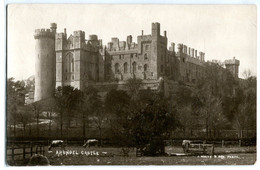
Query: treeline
point(203, 110)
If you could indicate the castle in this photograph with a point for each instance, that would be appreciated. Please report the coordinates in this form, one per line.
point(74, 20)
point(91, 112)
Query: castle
point(74, 60)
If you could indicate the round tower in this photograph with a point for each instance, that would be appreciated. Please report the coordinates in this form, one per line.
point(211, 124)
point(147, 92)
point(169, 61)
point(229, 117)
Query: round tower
point(44, 62)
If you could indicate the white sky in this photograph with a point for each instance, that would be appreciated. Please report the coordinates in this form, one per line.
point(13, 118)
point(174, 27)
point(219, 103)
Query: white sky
point(227, 30)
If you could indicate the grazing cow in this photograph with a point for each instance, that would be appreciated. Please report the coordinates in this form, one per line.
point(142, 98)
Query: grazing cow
point(56, 143)
point(185, 145)
point(93, 142)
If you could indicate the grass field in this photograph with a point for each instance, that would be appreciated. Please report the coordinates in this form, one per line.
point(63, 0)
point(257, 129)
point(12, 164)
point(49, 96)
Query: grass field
point(77, 155)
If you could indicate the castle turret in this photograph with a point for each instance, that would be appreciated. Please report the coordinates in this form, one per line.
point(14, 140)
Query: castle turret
point(53, 27)
point(44, 62)
point(180, 48)
point(233, 66)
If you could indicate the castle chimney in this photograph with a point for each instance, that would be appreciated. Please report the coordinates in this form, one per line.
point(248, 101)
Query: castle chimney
point(189, 50)
point(53, 27)
point(173, 47)
point(165, 33)
point(155, 29)
point(180, 46)
point(65, 32)
point(196, 54)
point(129, 39)
point(200, 55)
point(192, 52)
point(142, 32)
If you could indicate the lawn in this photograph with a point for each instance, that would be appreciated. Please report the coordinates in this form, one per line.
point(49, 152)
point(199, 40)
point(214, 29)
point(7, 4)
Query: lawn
point(76, 155)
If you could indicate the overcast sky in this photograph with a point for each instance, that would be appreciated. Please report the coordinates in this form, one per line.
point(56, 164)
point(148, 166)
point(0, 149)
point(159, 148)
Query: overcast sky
point(222, 31)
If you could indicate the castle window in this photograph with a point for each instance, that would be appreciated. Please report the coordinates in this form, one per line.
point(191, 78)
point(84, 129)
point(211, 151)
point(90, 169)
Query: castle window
point(145, 56)
point(134, 67)
point(161, 68)
point(68, 61)
point(109, 69)
point(131, 55)
point(72, 64)
point(145, 67)
point(146, 47)
point(72, 77)
point(120, 57)
point(125, 67)
point(116, 68)
point(139, 67)
point(151, 73)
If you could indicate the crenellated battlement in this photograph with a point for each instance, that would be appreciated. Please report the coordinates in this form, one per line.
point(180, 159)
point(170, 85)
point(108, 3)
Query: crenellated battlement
point(116, 45)
point(233, 61)
point(148, 59)
point(60, 35)
point(44, 32)
point(191, 52)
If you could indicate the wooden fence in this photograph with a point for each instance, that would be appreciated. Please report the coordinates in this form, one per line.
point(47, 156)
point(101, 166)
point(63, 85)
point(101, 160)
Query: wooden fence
point(218, 143)
point(13, 152)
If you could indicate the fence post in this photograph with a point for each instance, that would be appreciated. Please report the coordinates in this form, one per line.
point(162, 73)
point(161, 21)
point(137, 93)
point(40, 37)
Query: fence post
point(223, 142)
point(213, 150)
point(40, 149)
point(23, 152)
point(31, 151)
point(43, 151)
point(12, 153)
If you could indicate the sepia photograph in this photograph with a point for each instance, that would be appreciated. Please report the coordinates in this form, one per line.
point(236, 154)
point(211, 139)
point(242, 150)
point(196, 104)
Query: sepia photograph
point(130, 84)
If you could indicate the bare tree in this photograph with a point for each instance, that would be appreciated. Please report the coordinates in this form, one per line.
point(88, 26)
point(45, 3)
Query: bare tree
point(99, 120)
point(247, 73)
point(24, 116)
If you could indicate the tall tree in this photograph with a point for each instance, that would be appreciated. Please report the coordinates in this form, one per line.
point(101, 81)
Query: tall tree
point(15, 98)
point(90, 103)
point(117, 106)
point(24, 116)
point(65, 101)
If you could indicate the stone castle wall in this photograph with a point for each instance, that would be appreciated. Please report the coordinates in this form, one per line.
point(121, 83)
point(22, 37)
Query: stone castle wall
point(78, 60)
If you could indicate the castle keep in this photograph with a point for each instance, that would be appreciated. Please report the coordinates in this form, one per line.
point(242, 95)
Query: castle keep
point(77, 60)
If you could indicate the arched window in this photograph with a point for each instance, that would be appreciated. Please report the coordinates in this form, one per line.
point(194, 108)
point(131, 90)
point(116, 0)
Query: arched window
point(116, 68)
point(146, 47)
point(134, 67)
point(69, 62)
point(161, 68)
point(145, 67)
point(145, 56)
point(72, 64)
point(108, 69)
point(125, 67)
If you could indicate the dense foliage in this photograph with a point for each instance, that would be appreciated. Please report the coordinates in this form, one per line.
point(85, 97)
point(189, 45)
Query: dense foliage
point(136, 116)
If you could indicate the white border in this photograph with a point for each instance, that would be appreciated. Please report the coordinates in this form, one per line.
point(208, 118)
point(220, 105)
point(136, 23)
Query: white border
point(3, 5)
